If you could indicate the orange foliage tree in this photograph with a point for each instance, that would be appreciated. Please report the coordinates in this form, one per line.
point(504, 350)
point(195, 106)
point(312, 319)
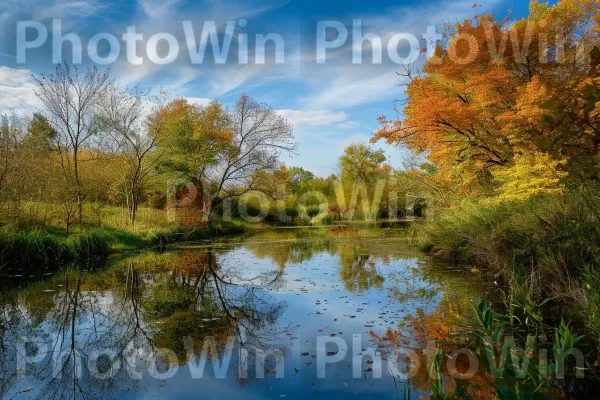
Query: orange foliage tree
point(479, 102)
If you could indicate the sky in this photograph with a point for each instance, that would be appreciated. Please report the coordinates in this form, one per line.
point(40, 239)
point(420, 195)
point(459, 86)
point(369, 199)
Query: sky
point(330, 100)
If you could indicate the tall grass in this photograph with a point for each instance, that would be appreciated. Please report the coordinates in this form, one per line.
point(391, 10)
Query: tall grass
point(544, 251)
point(50, 216)
point(163, 237)
point(32, 251)
point(40, 246)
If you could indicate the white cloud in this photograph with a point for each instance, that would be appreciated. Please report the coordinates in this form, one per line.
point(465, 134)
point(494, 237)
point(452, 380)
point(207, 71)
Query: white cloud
point(352, 89)
point(348, 125)
point(158, 9)
point(68, 8)
point(199, 101)
point(16, 91)
point(357, 138)
point(313, 118)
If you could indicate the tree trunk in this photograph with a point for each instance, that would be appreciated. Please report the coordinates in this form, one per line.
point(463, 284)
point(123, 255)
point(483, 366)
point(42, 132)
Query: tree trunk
point(134, 207)
point(209, 216)
point(78, 189)
point(132, 203)
point(202, 201)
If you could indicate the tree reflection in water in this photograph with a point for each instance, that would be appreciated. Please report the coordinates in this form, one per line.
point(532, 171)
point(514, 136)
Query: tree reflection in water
point(144, 305)
point(171, 304)
point(357, 258)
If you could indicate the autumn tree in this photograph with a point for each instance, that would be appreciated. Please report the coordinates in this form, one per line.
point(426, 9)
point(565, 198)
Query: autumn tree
point(570, 127)
point(12, 130)
point(478, 102)
point(222, 152)
point(361, 162)
point(259, 136)
point(363, 173)
point(189, 138)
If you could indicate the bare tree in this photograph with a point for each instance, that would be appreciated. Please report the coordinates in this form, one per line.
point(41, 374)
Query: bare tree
point(70, 98)
point(14, 166)
point(260, 135)
point(125, 117)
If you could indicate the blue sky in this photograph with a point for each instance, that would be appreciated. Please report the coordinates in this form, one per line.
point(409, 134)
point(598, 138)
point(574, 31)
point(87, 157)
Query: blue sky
point(331, 105)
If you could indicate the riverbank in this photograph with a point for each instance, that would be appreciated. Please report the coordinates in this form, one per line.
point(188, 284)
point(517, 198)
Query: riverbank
point(543, 253)
point(39, 238)
point(34, 250)
point(38, 251)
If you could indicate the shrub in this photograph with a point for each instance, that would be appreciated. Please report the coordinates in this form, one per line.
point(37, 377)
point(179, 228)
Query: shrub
point(313, 211)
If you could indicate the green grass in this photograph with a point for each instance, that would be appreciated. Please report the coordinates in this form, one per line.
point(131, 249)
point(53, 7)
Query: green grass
point(40, 239)
point(50, 216)
point(35, 248)
point(544, 251)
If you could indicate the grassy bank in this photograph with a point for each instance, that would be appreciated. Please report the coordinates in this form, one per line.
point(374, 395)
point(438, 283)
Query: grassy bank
point(545, 253)
point(38, 237)
point(34, 250)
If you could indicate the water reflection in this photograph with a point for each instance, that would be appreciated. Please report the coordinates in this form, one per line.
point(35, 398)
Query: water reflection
point(118, 331)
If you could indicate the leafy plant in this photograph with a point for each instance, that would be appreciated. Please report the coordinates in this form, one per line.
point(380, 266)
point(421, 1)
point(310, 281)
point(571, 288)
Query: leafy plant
point(434, 371)
point(565, 343)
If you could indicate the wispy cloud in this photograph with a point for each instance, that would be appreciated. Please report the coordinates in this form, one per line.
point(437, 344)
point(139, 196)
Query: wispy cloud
point(200, 101)
point(342, 84)
point(42, 10)
point(350, 90)
point(16, 91)
point(158, 9)
point(348, 125)
point(313, 118)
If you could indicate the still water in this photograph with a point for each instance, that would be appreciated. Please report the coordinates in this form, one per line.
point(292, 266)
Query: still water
point(279, 313)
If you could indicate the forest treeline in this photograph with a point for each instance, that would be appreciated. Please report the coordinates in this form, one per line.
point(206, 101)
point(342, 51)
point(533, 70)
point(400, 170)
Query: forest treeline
point(101, 166)
point(96, 146)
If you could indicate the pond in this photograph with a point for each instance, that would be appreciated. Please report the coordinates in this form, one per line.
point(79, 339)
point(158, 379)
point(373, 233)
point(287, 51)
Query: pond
point(317, 312)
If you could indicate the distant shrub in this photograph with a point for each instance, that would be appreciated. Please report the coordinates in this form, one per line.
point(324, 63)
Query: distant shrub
point(313, 211)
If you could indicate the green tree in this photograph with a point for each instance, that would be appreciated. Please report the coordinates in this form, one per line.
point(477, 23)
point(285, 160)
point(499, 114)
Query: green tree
point(364, 173)
point(223, 153)
point(189, 138)
point(300, 180)
point(40, 133)
point(362, 162)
